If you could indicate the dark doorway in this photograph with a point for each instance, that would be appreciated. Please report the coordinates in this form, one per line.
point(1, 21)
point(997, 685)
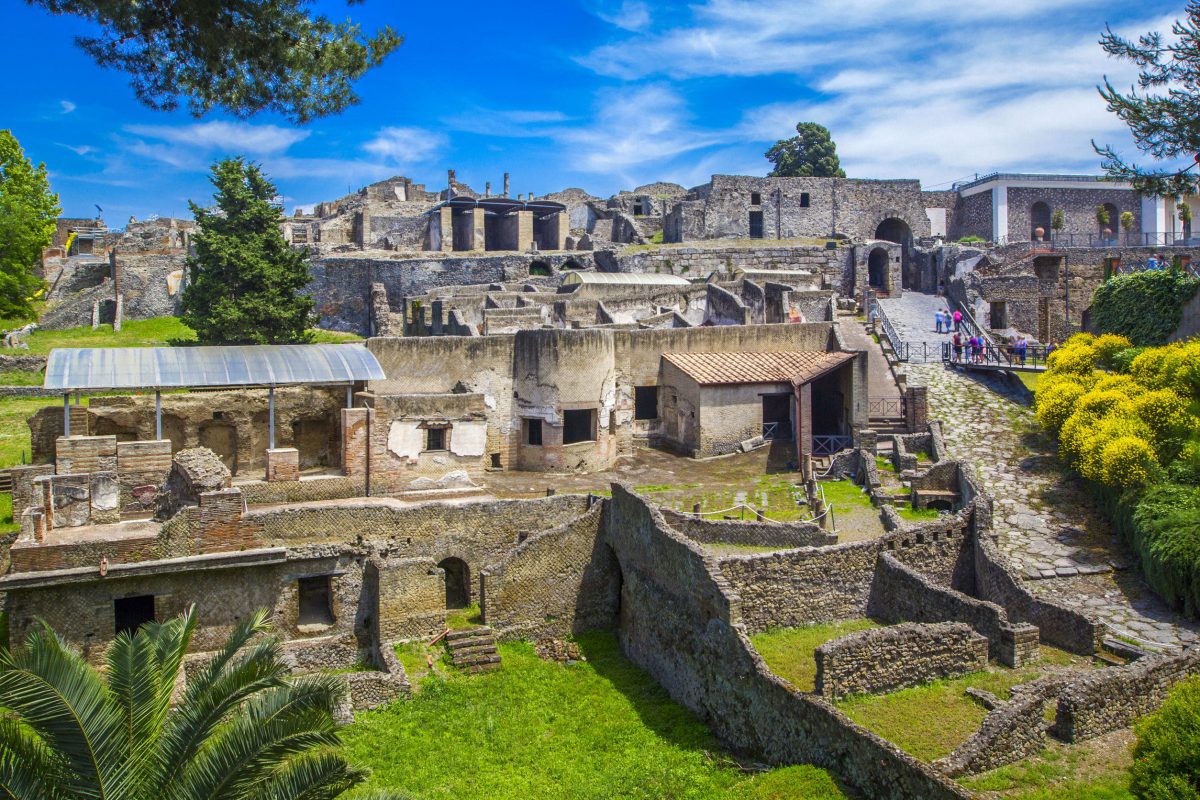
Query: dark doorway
point(829, 405)
point(316, 600)
point(131, 613)
point(539, 268)
point(999, 315)
point(895, 230)
point(458, 582)
point(579, 425)
point(533, 432)
point(1039, 217)
point(756, 224)
point(1108, 230)
point(645, 402)
point(777, 416)
point(877, 269)
point(221, 438)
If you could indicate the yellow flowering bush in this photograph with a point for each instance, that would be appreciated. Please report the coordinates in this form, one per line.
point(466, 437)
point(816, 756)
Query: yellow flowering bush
point(1097, 436)
point(1058, 402)
point(1109, 345)
point(1125, 384)
point(1127, 461)
point(1077, 355)
point(1165, 413)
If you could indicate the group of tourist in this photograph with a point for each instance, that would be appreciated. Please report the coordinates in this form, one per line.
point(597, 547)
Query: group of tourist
point(973, 345)
point(942, 318)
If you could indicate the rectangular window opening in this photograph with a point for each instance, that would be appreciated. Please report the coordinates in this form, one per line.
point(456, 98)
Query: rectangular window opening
point(579, 425)
point(645, 402)
point(755, 199)
point(316, 600)
point(533, 432)
point(804, 199)
point(131, 613)
point(435, 439)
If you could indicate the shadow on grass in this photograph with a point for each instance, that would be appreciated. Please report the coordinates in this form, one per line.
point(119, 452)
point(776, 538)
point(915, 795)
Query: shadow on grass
point(667, 719)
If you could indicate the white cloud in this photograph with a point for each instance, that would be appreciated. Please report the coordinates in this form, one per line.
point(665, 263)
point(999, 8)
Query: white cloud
point(66, 106)
point(405, 146)
point(631, 15)
point(79, 150)
point(228, 137)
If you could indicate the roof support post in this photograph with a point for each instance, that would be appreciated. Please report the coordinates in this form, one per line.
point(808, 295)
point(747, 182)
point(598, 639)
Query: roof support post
point(271, 416)
point(349, 395)
point(157, 414)
point(67, 414)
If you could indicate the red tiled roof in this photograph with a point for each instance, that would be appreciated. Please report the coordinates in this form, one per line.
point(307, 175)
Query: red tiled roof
point(724, 368)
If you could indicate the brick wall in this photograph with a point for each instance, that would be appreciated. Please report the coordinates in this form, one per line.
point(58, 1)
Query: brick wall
point(78, 454)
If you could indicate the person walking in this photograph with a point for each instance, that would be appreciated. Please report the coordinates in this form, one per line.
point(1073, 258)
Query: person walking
point(957, 319)
point(957, 341)
point(937, 320)
point(1022, 349)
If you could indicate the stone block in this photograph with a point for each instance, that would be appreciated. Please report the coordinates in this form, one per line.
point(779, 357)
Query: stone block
point(105, 497)
point(1019, 645)
point(283, 464)
point(70, 500)
point(80, 454)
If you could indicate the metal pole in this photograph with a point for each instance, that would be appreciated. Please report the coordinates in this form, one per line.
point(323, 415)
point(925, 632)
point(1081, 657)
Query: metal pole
point(157, 414)
point(349, 395)
point(1067, 295)
point(271, 415)
point(67, 414)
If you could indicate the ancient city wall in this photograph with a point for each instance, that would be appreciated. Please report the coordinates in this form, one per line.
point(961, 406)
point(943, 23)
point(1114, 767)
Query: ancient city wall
point(896, 657)
point(757, 534)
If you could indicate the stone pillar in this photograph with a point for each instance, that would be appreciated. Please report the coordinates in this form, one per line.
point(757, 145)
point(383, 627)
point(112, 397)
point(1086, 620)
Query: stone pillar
point(505, 184)
point(436, 321)
point(220, 527)
point(478, 229)
point(451, 184)
point(1019, 645)
point(356, 425)
point(524, 230)
point(916, 408)
point(487, 189)
point(446, 225)
point(564, 225)
point(283, 464)
point(1000, 213)
point(868, 440)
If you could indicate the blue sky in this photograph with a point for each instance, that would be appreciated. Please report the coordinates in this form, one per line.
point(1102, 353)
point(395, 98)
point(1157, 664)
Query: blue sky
point(606, 95)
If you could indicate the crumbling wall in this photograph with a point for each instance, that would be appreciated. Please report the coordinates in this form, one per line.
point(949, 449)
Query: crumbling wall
point(757, 534)
point(193, 472)
point(896, 657)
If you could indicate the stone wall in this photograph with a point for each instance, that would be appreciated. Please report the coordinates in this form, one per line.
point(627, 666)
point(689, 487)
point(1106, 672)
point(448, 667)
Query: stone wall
point(886, 659)
point(1189, 322)
point(1110, 699)
point(756, 534)
point(682, 622)
point(830, 267)
point(725, 308)
point(1014, 730)
point(554, 584)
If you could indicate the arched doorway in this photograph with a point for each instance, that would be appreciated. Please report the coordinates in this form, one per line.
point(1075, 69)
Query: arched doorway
point(458, 582)
point(539, 268)
point(1039, 217)
point(877, 269)
point(571, 263)
point(894, 229)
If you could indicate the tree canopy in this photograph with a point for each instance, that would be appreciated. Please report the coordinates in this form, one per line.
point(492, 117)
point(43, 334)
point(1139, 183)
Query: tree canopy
point(809, 154)
point(244, 284)
point(28, 218)
point(1163, 110)
point(244, 56)
point(242, 729)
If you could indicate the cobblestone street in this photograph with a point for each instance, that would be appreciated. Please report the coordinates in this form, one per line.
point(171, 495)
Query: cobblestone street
point(1045, 522)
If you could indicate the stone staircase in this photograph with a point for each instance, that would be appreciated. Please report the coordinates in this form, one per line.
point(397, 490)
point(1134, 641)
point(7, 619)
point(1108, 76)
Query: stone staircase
point(887, 428)
point(473, 650)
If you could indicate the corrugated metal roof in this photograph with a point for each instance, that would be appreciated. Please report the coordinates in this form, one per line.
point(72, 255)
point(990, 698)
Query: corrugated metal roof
point(728, 368)
point(69, 369)
point(625, 278)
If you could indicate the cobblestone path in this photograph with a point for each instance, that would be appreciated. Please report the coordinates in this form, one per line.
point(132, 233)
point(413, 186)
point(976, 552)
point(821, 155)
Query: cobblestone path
point(1046, 523)
point(911, 316)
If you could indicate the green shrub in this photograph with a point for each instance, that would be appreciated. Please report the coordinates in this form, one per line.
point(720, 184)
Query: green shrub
point(1165, 531)
point(1123, 359)
point(1166, 758)
point(1145, 307)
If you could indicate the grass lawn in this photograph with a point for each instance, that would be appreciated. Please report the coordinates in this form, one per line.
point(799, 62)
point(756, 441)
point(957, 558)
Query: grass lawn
point(1030, 379)
point(1093, 770)
point(929, 721)
point(789, 651)
point(14, 432)
point(596, 729)
point(916, 514)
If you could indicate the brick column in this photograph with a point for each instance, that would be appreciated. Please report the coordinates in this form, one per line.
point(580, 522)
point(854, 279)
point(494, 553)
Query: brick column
point(283, 464)
point(564, 225)
point(916, 408)
point(478, 230)
point(446, 219)
point(220, 526)
point(524, 230)
point(804, 429)
point(356, 424)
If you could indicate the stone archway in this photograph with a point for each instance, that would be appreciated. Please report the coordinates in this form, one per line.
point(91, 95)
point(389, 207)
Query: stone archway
point(894, 229)
point(458, 582)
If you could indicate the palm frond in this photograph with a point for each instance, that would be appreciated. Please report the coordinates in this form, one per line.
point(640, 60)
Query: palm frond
point(320, 775)
point(62, 699)
point(28, 769)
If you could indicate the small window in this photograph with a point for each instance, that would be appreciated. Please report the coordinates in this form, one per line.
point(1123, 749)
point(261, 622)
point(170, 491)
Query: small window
point(579, 425)
point(755, 199)
point(316, 600)
point(131, 613)
point(804, 199)
point(435, 439)
point(645, 402)
point(533, 432)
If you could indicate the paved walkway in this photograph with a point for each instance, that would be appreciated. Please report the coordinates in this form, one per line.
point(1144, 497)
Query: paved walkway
point(911, 316)
point(880, 381)
point(1046, 523)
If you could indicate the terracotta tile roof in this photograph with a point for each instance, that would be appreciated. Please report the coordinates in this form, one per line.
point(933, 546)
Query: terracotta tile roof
point(726, 368)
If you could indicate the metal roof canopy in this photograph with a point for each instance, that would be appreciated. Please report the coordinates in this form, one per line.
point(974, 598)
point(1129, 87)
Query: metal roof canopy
point(625, 279)
point(103, 369)
point(502, 205)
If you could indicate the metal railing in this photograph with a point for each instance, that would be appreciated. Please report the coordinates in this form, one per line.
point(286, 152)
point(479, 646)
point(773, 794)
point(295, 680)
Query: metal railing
point(1143, 265)
point(829, 445)
point(899, 346)
point(886, 407)
point(991, 355)
point(1057, 241)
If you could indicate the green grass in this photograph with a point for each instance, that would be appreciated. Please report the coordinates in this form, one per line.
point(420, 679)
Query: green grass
point(930, 720)
point(20, 377)
point(884, 464)
point(789, 651)
point(1030, 379)
point(916, 514)
point(7, 523)
point(14, 431)
point(461, 619)
point(846, 493)
point(596, 729)
point(1060, 771)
